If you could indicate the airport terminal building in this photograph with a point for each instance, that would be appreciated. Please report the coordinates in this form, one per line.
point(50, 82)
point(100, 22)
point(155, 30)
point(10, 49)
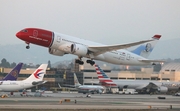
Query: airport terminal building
point(87, 75)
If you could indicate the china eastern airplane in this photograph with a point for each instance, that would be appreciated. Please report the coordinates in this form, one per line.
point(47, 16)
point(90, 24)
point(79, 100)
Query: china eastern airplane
point(141, 86)
point(61, 44)
point(36, 78)
point(87, 88)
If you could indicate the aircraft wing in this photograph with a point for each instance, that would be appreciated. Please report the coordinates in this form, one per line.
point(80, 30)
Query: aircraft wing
point(149, 60)
point(96, 50)
point(38, 83)
point(152, 85)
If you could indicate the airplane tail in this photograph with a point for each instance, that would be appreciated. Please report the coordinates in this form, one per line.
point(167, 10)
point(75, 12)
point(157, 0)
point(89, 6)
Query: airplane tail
point(103, 78)
point(59, 86)
point(76, 82)
point(13, 75)
point(38, 74)
point(145, 49)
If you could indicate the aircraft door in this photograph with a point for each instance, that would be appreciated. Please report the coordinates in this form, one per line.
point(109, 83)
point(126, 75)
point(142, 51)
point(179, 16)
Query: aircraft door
point(128, 56)
point(58, 38)
point(56, 42)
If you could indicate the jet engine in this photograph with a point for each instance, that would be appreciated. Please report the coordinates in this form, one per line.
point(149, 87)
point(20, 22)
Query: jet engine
point(56, 52)
point(76, 49)
point(162, 89)
point(79, 50)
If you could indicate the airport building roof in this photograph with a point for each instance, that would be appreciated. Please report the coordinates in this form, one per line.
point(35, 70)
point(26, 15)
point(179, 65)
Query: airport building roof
point(171, 67)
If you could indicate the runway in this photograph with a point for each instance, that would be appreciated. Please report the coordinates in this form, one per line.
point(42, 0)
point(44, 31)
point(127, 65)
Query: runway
point(97, 101)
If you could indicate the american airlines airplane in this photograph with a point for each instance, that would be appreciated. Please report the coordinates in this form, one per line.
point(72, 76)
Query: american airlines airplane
point(13, 75)
point(61, 44)
point(141, 86)
point(36, 78)
point(87, 88)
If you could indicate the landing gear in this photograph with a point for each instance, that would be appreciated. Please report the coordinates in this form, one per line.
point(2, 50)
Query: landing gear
point(27, 47)
point(91, 62)
point(79, 62)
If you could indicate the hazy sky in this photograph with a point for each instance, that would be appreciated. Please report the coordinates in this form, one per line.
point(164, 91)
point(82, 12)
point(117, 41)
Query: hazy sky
point(106, 21)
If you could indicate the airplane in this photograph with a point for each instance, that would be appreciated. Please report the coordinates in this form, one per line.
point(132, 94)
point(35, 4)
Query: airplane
point(87, 88)
point(13, 75)
point(61, 44)
point(36, 78)
point(67, 87)
point(141, 86)
point(177, 94)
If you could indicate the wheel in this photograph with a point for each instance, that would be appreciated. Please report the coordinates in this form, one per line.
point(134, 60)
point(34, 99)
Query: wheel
point(88, 61)
point(27, 47)
point(81, 62)
point(92, 63)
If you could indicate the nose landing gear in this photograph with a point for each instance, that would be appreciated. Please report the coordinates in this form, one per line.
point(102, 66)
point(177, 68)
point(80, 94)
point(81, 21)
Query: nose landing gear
point(27, 47)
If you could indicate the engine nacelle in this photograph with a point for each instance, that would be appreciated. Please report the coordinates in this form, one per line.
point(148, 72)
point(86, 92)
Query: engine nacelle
point(79, 50)
point(76, 49)
point(162, 89)
point(56, 52)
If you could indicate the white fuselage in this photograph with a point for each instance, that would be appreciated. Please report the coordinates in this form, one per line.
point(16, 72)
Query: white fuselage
point(90, 87)
point(139, 84)
point(122, 57)
point(15, 85)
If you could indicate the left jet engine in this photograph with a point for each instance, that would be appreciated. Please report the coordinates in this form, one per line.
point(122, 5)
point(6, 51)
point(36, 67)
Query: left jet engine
point(76, 49)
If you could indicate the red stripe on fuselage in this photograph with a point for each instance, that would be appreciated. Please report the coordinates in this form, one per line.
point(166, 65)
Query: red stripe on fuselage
point(105, 80)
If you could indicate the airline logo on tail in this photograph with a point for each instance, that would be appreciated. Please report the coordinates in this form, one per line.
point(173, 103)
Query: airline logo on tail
point(14, 73)
point(103, 78)
point(38, 73)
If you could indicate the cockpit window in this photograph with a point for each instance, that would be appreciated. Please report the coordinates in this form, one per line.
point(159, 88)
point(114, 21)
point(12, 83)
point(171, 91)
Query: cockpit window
point(24, 30)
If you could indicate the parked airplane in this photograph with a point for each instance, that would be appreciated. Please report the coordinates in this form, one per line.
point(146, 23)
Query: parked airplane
point(61, 44)
point(177, 94)
point(87, 88)
point(141, 86)
point(36, 78)
point(13, 75)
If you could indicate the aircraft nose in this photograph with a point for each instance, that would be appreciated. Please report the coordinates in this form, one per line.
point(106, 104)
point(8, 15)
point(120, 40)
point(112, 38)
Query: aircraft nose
point(18, 34)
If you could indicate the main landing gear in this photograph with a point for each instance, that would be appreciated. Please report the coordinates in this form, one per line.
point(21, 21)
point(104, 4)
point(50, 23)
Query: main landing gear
point(90, 62)
point(79, 61)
